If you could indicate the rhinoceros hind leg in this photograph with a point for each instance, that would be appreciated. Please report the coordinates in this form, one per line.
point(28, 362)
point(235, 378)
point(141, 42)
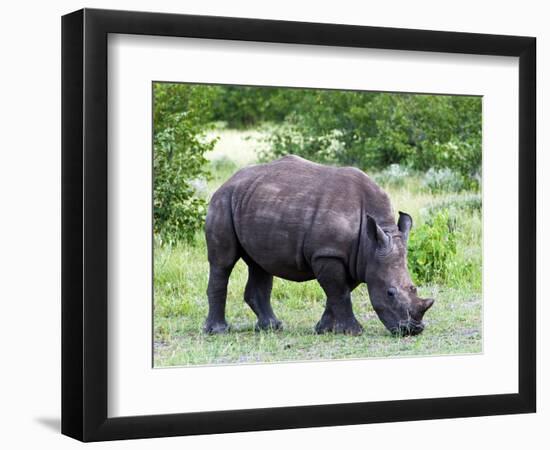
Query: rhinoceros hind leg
point(257, 295)
point(223, 253)
point(338, 316)
point(217, 295)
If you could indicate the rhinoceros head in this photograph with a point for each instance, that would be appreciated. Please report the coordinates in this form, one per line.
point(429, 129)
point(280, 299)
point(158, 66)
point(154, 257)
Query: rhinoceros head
point(392, 293)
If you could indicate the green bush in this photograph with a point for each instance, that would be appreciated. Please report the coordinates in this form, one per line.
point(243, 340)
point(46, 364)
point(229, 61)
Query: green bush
point(443, 180)
point(394, 175)
point(291, 139)
point(389, 133)
point(431, 249)
point(375, 130)
point(244, 106)
point(223, 165)
point(179, 144)
point(365, 129)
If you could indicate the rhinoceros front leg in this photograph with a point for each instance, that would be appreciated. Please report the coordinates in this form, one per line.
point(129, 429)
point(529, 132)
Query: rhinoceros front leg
point(326, 324)
point(338, 316)
point(257, 295)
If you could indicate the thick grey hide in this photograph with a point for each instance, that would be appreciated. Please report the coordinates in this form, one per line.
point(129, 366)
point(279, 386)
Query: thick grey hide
point(299, 220)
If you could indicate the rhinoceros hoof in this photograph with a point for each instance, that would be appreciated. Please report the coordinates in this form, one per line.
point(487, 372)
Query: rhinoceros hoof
point(351, 327)
point(269, 324)
point(324, 326)
point(215, 327)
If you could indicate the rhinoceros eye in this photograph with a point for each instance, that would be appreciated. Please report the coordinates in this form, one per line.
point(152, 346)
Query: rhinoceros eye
point(392, 292)
point(413, 289)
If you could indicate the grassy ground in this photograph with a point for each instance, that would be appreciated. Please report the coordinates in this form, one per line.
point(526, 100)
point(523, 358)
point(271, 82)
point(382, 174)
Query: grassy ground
point(181, 273)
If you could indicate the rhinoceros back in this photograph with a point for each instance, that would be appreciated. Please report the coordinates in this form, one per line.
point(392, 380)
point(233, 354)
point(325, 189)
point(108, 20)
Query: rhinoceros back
point(283, 214)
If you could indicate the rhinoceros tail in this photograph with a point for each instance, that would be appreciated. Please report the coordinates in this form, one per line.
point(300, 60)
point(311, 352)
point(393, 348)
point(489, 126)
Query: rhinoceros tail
point(221, 239)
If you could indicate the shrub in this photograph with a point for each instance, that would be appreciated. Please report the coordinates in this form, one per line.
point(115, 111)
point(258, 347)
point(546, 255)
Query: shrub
point(199, 186)
point(364, 129)
point(245, 106)
point(290, 138)
point(431, 249)
point(375, 130)
point(179, 141)
point(223, 164)
point(394, 175)
point(443, 180)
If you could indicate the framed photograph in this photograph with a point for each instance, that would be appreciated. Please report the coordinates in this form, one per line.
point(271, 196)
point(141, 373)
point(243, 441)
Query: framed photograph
point(270, 224)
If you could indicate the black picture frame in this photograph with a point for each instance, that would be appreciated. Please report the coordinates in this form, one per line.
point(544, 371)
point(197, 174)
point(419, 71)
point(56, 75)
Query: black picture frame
point(84, 224)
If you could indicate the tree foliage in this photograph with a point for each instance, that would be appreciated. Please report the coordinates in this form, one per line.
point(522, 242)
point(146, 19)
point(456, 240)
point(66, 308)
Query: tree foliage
point(375, 130)
point(432, 248)
point(368, 130)
point(180, 114)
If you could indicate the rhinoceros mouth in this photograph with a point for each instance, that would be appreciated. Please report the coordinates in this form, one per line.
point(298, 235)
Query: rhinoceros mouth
point(409, 327)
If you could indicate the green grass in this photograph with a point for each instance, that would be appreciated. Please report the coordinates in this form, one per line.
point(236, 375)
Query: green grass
point(453, 325)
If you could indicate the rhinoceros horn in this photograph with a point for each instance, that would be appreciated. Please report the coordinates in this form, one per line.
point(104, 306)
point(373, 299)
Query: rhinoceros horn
point(377, 234)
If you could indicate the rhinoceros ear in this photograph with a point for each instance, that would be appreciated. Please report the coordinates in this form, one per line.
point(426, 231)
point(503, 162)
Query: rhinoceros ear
point(376, 234)
point(404, 224)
